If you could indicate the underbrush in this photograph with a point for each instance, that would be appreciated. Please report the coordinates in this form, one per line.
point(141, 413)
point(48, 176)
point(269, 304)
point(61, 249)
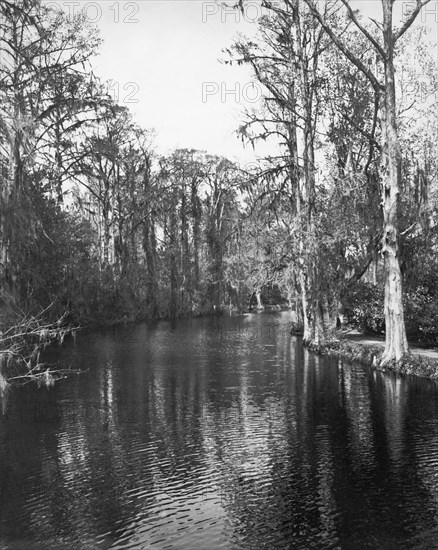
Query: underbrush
point(363, 309)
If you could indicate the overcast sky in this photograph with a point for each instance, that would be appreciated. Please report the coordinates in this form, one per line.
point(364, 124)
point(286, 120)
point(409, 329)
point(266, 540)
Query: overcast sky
point(165, 67)
point(163, 58)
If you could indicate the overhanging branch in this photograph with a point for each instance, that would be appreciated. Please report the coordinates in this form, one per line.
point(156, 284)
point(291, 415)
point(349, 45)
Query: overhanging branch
point(348, 54)
point(410, 19)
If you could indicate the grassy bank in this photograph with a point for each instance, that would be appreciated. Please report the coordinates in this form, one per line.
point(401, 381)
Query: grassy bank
point(370, 355)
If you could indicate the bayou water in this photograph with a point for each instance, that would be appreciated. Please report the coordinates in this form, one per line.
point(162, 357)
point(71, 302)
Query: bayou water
point(217, 433)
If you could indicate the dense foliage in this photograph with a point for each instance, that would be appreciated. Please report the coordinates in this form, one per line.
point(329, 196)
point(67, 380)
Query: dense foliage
point(96, 227)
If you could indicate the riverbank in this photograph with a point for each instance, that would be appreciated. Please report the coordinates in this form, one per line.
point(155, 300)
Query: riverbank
point(367, 350)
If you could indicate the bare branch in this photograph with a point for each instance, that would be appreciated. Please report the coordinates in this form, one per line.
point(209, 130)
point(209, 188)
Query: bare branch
point(410, 19)
point(21, 346)
point(348, 54)
point(373, 133)
point(362, 29)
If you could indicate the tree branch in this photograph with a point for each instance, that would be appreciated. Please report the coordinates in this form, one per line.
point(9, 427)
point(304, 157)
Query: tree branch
point(348, 54)
point(363, 30)
point(410, 19)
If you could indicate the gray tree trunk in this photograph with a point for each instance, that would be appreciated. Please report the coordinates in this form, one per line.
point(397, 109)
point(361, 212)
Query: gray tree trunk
point(396, 343)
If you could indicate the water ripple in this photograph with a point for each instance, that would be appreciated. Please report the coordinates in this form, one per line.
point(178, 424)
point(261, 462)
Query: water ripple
point(219, 434)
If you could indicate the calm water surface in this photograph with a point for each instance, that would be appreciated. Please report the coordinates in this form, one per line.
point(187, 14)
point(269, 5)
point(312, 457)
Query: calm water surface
point(218, 434)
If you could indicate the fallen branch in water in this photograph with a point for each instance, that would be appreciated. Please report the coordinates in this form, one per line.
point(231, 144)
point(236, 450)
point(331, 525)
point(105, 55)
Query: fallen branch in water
point(21, 346)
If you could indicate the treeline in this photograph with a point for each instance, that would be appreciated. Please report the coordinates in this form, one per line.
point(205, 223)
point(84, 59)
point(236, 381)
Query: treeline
point(92, 221)
point(352, 104)
point(96, 227)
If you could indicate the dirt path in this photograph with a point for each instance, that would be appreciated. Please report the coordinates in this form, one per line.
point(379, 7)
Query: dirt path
point(367, 340)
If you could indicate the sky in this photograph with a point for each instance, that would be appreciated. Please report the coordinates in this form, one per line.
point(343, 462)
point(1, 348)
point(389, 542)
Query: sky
point(163, 60)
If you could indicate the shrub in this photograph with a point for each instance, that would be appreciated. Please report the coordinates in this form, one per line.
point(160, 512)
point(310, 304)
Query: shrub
point(421, 316)
point(363, 307)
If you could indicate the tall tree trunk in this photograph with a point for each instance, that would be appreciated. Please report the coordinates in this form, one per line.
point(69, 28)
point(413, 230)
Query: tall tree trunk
point(318, 328)
point(216, 252)
point(106, 237)
point(307, 332)
point(197, 213)
point(174, 260)
point(258, 298)
point(186, 287)
point(297, 180)
point(314, 331)
point(58, 156)
point(150, 249)
point(396, 343)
